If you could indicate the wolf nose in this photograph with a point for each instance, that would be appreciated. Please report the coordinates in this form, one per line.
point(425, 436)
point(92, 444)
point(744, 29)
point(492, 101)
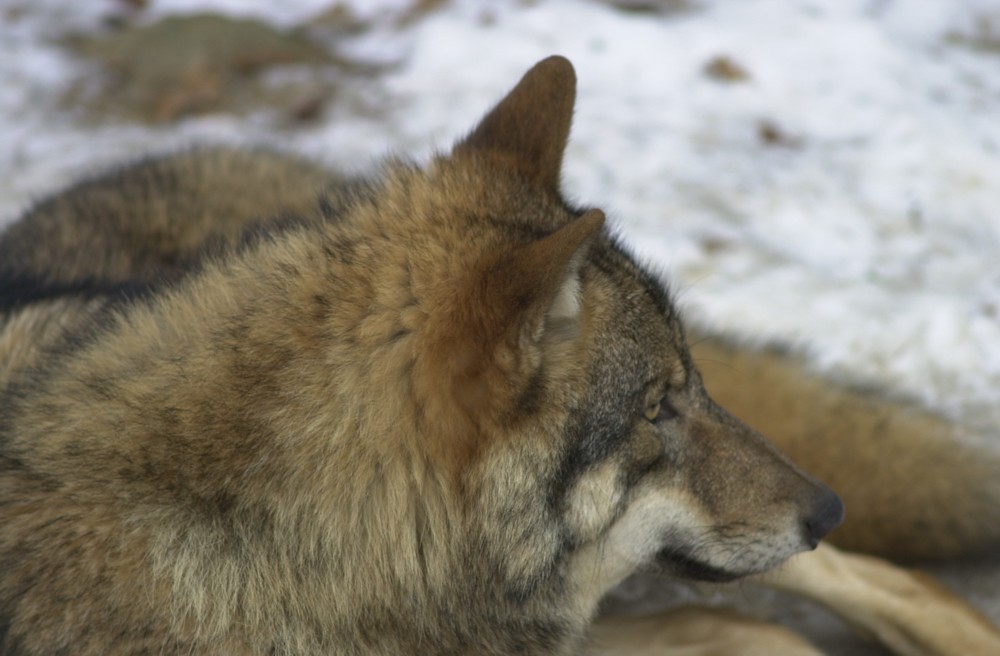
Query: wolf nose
point(827, 515)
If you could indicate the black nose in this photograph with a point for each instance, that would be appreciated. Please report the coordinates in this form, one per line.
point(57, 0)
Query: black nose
point(827, 514)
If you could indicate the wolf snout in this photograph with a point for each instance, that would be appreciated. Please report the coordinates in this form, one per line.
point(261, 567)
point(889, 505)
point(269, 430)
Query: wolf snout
point(827, 514)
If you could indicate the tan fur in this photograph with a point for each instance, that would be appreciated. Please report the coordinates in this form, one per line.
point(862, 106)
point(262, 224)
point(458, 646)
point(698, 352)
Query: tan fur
point(25, 334)
point(908, 612)
point(416, 415)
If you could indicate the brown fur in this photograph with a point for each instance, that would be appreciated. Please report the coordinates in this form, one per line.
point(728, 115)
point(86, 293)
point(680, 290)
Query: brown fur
point(438, 411)
point(157, 216)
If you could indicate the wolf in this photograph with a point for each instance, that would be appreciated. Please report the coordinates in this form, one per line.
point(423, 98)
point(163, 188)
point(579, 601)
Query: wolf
point(249, 406)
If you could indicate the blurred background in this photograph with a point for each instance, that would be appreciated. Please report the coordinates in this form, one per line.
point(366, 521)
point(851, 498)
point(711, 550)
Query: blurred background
point(822, 173)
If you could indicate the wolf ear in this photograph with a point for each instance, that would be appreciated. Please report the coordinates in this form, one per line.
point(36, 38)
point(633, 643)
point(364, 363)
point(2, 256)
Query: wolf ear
point(487, 351)
point(537, 289)
point(527, 131)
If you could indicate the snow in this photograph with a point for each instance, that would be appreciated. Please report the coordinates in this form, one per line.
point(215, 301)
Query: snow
point(866, 232)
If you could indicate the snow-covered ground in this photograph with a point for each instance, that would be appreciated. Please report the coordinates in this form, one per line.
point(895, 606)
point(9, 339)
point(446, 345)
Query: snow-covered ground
point(839, 189)
point(843, 196)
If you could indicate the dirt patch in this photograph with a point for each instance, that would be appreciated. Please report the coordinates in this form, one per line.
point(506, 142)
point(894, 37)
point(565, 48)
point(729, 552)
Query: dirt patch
point(204, 63)
point(726, 69)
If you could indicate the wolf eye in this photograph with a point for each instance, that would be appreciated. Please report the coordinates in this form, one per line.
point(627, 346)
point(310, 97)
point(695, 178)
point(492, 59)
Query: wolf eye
point(660, 411)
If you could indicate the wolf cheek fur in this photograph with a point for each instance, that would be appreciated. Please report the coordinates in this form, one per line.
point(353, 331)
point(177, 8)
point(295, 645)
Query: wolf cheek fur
point(423, 425)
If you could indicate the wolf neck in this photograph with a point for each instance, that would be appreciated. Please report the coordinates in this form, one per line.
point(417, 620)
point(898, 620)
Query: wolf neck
point(248, 394)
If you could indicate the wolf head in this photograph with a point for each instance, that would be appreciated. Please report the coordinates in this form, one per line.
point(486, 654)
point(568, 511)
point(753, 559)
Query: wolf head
point(447, 411)
point(549, 383)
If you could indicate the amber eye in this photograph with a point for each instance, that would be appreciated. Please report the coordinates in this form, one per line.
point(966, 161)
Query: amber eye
point(660, 411)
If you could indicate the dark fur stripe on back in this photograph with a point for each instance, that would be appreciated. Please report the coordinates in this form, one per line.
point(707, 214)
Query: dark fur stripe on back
point(17, 291)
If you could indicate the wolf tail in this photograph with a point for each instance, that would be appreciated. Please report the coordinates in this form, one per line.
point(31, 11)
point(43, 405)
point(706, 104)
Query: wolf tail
point(913, 489)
